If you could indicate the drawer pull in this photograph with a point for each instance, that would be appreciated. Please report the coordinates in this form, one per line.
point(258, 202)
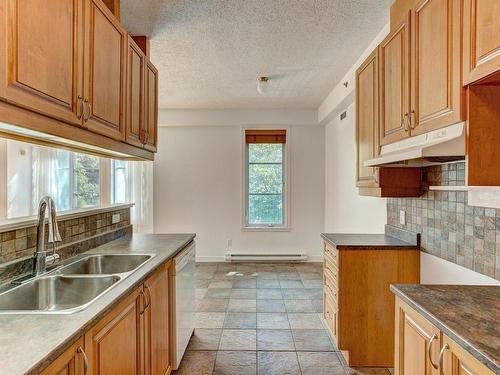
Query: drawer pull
point(441, 354)
point(85, 359)
point(429, 351)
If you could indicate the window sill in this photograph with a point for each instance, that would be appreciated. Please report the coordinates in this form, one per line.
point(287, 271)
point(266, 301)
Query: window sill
point(29, 221)
point(266, 229)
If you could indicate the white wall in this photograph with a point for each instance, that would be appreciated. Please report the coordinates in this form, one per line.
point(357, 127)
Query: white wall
point(198, 188)
point(345, 210)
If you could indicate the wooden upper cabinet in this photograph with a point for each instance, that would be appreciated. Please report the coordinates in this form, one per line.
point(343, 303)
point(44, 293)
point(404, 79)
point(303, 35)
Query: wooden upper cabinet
point(135, 116)
point(41, 62)
point(481, 36)
point(157, 323)
point(69, 363)
point(394, 84)
point(151, 133)
point(367, 113)
point(437, 94)
point(105, 71)
point(114, 344)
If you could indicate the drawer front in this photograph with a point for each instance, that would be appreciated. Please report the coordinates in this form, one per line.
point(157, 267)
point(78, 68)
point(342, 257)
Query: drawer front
point(331, 277)
point(332, 254)
point(332, 292)
point(331, 316)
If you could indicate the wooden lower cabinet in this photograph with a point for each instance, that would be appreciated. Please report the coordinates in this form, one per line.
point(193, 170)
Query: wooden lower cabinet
point(358, 306)
point(422, 349)
point(134, 338)
point(69, 363)
point(113, 345)
point(157, 322)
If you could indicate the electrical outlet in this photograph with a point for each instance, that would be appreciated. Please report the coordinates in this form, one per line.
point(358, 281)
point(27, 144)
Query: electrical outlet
point(115, 218)
point(402, 217)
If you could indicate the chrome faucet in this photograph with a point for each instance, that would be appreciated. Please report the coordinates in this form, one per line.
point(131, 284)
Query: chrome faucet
point(40, 257)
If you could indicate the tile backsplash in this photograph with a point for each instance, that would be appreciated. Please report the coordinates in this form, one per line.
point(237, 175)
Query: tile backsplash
point(450, 228)
point(78, 235)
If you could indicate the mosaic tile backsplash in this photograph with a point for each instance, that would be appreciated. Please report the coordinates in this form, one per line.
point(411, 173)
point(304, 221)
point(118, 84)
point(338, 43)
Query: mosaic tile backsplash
point(450, 228)
point(78, 235)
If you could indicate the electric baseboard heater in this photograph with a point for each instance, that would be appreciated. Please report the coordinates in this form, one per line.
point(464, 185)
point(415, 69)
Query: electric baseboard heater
point(231, 257)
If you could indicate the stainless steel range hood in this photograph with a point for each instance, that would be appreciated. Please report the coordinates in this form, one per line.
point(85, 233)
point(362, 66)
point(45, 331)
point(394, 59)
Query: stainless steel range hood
point(436, 147)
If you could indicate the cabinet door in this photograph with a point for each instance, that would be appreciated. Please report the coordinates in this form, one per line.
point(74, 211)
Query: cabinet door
point(413, 339)
point(151, 134)
point(105, 65)
point(367, 113)
point(113, 345)
point(42, 68)
point(157, 322)
point(457, 361)
point(395, 84)
point(135, 116)
point(68, 363)
point(481, 35)
point(437, 92)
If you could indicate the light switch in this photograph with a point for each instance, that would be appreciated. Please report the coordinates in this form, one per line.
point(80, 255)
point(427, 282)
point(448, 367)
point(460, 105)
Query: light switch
point(402, 217)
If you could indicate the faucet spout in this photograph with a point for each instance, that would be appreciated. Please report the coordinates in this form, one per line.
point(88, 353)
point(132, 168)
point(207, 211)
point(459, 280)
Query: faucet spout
point(39, 260)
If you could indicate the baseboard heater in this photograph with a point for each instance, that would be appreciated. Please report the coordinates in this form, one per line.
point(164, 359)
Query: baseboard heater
point(231, 257)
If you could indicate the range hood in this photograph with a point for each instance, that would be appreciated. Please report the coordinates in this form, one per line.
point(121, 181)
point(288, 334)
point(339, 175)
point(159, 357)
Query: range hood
point(436, 147)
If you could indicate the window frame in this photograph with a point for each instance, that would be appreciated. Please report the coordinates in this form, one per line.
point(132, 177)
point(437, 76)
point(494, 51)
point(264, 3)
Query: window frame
point(247, 227)
point(112, 181)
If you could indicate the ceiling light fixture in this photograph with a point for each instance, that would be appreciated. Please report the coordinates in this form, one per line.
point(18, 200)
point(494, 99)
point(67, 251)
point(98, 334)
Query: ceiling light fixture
point(263, 86)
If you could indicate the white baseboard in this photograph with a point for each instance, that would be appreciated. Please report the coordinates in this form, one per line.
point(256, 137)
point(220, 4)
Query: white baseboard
point(220, 258)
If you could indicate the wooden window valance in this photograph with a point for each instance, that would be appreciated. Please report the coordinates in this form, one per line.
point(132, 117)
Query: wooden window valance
point(265, 136)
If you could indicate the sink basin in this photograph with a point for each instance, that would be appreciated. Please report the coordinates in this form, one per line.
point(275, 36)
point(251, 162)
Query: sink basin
point(105, 264)
point(54, 294)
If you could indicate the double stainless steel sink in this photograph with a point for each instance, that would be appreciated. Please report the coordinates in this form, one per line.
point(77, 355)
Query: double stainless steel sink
point(72, 287)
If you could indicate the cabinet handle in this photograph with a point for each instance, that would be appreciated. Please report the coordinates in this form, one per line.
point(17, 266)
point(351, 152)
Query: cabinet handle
point(412, 119)
point(146, 136)
point(88, 110)
point(376, 175)
point(407, 122)
point(80, 107)
point(441, 355)
point(429, 351)
point(148, 297)
point(402, 124)
point(85, 359)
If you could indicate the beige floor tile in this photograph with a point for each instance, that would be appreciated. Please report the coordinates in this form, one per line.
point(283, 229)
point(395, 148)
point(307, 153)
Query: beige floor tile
point(275, 339)
point(236, 363)
point(368, 371)
point(238, 339)
point(272, 321)
point(270, 306)
point(320, 363)
point(242, 305)
point(212, 305)
point(218, 293)
point(312, 283)
point(197, 363)
point(290, 275)
point(269, 294)
point(299, 306)
point(205, 339)
point(240, 320)
point(291, 284)
point(244, 293)
point(210, 319)
point(312, 340)
point(267, 284)
point(220, 284)
point(304, 321)
point(277, 363)
point(245, 284)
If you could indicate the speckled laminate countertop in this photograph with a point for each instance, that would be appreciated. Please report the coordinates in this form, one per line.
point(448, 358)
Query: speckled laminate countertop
point(342, 240)
point(469, 315)
point(30, 342)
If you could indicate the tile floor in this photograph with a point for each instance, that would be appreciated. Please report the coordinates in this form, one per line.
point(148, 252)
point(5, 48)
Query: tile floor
point(262, 318)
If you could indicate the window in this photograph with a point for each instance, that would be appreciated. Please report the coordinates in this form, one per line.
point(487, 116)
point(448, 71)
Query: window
point(119, 181)
point(77, 179)
point(265, 178)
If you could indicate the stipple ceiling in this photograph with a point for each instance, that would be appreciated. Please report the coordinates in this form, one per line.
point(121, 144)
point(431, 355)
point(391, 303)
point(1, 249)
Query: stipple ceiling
point(209, 53)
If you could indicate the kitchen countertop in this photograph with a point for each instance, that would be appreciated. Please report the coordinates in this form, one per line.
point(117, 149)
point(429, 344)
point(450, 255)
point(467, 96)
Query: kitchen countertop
point(31, 341)
point(468, 314)
point(342, 240)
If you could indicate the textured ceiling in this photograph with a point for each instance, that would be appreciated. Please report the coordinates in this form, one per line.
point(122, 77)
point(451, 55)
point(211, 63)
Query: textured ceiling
point(209, 53)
